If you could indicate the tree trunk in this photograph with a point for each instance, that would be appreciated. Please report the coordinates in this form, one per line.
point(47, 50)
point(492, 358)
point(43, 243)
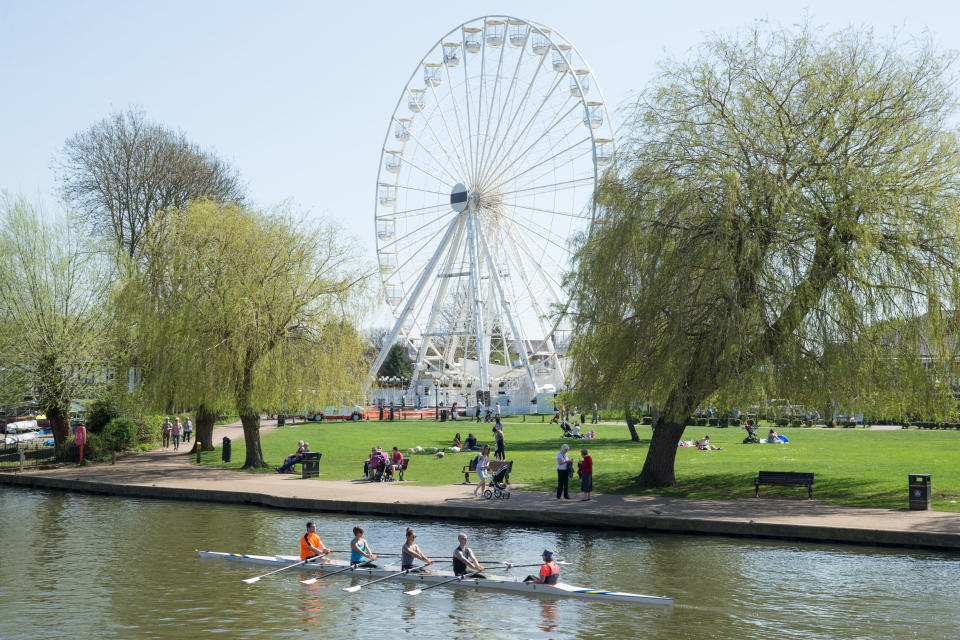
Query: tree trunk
point(205, 420)
point(250, 418)
point(59, 423)
point(631, 424)
point(251, 439)
point(658, 468)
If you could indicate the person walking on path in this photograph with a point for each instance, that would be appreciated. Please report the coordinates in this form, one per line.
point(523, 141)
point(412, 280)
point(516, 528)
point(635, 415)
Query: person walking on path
point(563, 473)
point(176, 431)
point(586, 474)
point(500, 453)
point(483, 460)
point(187, 430)
point(165, 430)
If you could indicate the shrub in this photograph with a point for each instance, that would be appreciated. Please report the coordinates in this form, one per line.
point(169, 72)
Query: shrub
point(100, 412)
point(795, 423)
point(120, 434)
point(70, 452)
point(736, 422)
point(148, 429)
point(67, 452)
point(782, 422)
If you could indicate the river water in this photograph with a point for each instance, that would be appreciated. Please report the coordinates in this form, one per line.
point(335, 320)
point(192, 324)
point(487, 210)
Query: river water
point(85, 566)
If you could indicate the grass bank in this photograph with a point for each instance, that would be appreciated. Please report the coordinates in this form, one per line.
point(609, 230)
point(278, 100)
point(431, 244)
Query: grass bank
point(858, 467)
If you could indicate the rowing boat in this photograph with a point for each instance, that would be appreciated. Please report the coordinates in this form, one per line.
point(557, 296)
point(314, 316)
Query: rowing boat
point(499, 583)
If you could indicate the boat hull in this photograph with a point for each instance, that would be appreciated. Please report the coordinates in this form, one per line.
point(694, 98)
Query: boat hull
point(493, 582)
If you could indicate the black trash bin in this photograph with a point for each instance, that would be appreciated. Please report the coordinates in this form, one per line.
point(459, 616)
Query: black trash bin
point(919, 491)
point(443, 415)
point(225, 451)
point(281, 420)
point(310, 465)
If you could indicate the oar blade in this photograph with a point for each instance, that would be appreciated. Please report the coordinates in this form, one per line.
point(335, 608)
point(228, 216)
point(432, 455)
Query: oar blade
point(251, 580)
point(351, 589)
point(309, 581)
point(415, 592)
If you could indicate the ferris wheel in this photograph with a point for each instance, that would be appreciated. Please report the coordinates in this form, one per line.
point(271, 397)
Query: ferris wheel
point(487, 172)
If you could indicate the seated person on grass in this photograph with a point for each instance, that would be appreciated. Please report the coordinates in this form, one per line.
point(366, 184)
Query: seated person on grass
point(471, 443)
point(456, 442)
point(704, 444)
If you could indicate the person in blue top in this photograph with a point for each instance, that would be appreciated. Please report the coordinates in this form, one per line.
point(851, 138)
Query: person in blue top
point(360, 553)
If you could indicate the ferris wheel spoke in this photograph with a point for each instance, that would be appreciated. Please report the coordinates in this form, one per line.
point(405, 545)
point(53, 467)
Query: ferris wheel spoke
point(425, 172)
point(456, 111)
point(552, 283)
point(554, 212)
point(543, 233)
point(496, 178)
point(523, 131)
point(516, 112)
point(543, 162)
point(506, 102)
point(466, 89)
point(454, 161)
point(491, 108)
point(427, 150)
point(396, 241)
point(519, 112)
point(551, 186)
point(419, 190)
point(534, 295)
point(407, 213)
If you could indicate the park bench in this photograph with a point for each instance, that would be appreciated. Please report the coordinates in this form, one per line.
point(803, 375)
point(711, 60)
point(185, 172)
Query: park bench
point(783, 479)
point(399, 469)
point(493, 466)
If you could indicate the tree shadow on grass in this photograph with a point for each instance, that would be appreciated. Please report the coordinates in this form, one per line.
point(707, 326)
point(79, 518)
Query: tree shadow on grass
point(845, 490)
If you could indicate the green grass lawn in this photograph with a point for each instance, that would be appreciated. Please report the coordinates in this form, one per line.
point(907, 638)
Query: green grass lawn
point(852, 466)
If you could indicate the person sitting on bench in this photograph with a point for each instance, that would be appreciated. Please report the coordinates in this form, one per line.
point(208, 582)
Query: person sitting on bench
point(293, 458)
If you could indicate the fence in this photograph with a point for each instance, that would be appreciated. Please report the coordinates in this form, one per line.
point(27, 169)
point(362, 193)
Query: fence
point(30, 454)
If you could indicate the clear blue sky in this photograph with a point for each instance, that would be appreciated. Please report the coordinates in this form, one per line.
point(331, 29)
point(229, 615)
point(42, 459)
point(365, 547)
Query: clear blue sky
point(298, 95)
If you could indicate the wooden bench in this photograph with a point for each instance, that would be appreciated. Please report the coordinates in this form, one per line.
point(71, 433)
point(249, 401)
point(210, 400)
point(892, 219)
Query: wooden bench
point(492, 467)
point(783, 479)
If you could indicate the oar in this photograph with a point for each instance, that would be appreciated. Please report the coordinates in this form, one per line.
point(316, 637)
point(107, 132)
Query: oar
point(332, 573)
point(416, 592)
point(295, 564)
point(367, 584)
point(510, 565)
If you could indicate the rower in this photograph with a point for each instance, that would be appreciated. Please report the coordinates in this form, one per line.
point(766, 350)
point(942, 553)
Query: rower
point(463, 559)
point(409, 551)
point(311, 546)
point(549, 571)
point(360, 554)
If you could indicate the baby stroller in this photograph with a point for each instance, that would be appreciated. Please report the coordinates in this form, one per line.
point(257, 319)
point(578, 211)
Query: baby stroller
point(498, 485)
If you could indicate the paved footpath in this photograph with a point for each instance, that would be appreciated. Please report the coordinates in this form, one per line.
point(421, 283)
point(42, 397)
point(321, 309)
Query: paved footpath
point(169, 474)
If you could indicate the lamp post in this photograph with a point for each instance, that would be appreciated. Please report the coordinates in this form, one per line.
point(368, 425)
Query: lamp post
point(436, 402)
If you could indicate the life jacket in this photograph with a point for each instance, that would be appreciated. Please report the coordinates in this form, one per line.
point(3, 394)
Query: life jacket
point(305, 541)
point(550, 572)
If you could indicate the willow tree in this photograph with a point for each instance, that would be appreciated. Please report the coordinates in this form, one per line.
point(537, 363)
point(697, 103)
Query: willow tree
point(242, 309)
point(785, 211)
point(55, 315)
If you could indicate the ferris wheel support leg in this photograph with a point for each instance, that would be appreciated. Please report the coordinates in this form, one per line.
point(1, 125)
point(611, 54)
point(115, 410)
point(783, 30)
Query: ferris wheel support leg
point(411, 301)
point(435, 311)
point(478, 328)
point(507, 311)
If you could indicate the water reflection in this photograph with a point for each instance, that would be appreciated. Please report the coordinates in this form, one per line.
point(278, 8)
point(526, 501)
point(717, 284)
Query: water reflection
point(549, 616)
point(126, 569)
